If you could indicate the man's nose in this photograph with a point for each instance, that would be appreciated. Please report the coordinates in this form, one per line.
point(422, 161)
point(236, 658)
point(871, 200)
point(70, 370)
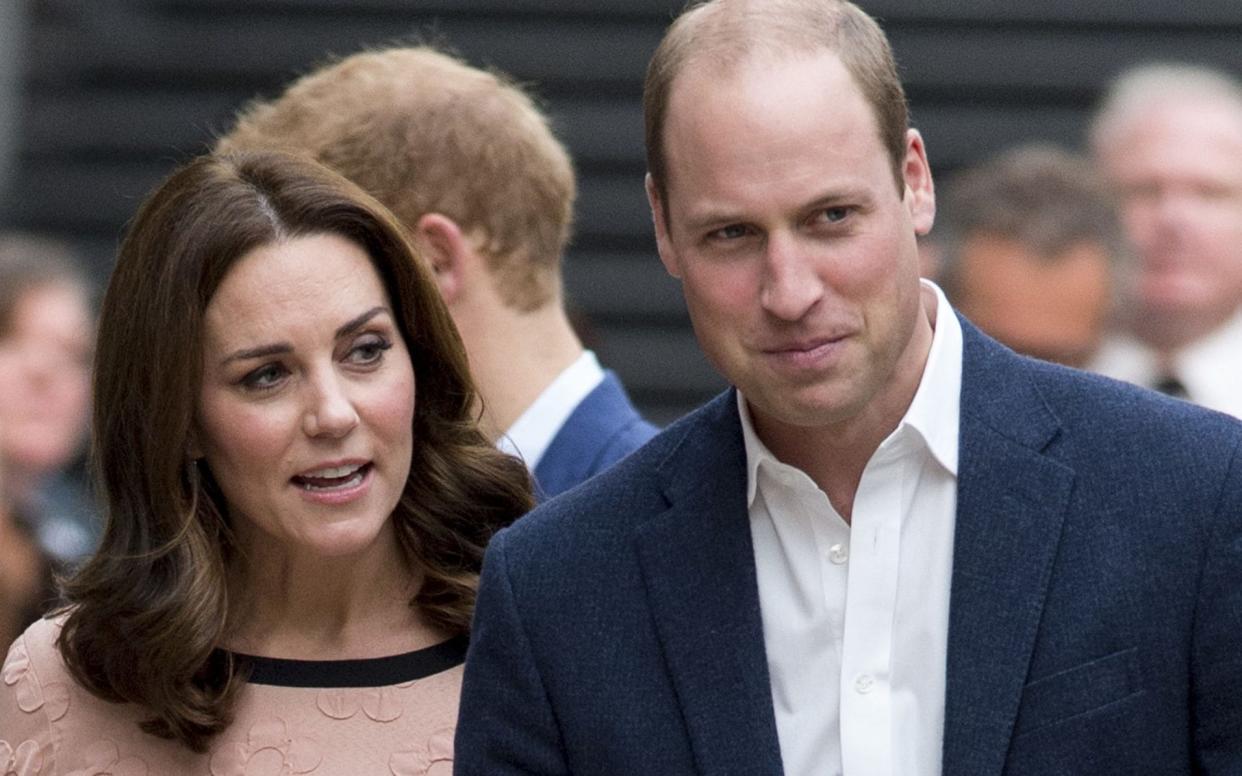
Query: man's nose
point(790, 285)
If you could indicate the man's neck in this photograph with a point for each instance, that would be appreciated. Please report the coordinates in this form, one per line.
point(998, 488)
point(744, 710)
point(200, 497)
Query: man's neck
point(1167, 334)
point(515, 356)
point(834, 456)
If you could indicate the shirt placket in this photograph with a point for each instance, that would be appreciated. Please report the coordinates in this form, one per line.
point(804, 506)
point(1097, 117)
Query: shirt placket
point(871, 599)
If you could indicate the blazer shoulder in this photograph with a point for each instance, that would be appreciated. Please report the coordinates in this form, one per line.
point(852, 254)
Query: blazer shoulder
point(1149, 422)
point(627, 494)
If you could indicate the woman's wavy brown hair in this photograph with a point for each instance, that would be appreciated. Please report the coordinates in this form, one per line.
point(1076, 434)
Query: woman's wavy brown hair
point(148, 611)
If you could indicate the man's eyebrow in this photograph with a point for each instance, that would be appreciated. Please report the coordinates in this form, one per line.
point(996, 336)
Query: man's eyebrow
point(280, 348)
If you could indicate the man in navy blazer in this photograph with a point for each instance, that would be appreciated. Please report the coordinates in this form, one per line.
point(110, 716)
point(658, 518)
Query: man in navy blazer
point(895, 547)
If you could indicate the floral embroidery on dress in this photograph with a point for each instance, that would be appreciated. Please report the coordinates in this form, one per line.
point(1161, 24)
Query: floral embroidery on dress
point(269, 750)
point(433, 759)
point(25, 760)
point(104, 759)
point(53, 698)
point(380, 704)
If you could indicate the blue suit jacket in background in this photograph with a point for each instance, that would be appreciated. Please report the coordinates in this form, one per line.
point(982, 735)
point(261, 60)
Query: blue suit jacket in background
point(604, 428)
point(1095, 621)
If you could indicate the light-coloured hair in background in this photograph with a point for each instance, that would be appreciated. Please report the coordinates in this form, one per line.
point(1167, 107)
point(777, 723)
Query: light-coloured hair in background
point(728, 32)
point(1144, 86)
point(423, 132)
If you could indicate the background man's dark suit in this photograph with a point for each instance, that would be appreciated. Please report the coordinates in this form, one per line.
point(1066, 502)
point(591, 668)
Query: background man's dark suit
point(1096, 609)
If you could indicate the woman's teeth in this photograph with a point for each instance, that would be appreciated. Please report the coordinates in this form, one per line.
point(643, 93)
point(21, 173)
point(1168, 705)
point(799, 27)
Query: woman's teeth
point(334, 478)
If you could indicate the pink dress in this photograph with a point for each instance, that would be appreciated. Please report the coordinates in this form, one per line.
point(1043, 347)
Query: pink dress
point(392, 715)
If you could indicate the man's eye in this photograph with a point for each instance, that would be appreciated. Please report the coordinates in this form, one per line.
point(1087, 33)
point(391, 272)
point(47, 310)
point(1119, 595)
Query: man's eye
point(263, 378)
point(730, 232)
point(833, 215)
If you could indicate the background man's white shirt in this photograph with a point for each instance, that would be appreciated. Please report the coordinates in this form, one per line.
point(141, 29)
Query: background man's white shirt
point(1210, 369)
point(529, 436)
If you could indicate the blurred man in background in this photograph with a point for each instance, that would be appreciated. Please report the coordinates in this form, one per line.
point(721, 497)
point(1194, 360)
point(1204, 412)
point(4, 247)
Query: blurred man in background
point(1169, 138)
point(469, 165)
point(1028, 240)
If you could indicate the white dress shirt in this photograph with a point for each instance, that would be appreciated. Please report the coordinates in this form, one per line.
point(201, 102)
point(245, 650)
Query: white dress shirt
point(1210, 369)
point(856, 617)
point(529, 436)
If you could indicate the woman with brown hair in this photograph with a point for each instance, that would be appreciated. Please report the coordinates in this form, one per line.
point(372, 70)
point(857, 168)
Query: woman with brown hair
point(297, 497)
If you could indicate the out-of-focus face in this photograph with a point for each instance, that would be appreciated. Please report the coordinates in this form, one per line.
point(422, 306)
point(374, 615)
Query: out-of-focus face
point(795, 247)
point(1053, 308)
point(45, 362)
point(306, 409)
point(1178, 170)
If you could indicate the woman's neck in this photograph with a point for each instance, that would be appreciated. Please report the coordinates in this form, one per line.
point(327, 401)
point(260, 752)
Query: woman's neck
point(290, 605)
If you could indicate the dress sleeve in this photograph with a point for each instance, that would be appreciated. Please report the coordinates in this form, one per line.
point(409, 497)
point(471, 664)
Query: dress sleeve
point(26, 709)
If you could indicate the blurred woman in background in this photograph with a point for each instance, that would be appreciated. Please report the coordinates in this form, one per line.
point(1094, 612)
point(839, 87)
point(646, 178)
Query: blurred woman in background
point(45, 351)
point(298, 496)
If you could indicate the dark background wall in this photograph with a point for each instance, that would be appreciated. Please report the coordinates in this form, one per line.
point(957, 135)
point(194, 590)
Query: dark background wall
point(114, 93)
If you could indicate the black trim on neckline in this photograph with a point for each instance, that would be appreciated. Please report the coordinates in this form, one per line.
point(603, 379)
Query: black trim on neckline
point(367, 672)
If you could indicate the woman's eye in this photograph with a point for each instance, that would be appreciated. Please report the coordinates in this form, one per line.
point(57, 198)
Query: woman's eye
point(369, 350)
point(266, 376)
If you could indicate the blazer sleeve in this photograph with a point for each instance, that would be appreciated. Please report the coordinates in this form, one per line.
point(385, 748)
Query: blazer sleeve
point(505, 724)
point(26, 744)
point(1217, 648)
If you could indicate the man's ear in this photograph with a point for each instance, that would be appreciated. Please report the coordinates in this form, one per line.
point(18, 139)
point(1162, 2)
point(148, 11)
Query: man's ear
point(920, 191)
point(663, 242)
point(446, 248)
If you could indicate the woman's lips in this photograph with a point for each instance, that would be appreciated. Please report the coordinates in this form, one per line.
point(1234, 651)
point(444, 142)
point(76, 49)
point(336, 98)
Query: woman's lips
point(335, 484)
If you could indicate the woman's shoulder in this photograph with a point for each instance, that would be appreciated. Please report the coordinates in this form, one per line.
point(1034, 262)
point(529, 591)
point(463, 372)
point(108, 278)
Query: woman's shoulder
point(33, 663)
point(51, 724)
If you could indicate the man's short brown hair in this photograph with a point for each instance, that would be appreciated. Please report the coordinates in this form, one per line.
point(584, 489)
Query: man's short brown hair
point(728, 32)
point(423, 132)
point(1044, 198)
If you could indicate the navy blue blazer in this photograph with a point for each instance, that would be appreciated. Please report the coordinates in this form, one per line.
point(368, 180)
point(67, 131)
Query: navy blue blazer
point(1095, 621)
point(604, 428)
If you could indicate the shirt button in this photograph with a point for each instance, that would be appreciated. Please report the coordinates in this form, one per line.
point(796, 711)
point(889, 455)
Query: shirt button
point(863, 684)
point(838, 554)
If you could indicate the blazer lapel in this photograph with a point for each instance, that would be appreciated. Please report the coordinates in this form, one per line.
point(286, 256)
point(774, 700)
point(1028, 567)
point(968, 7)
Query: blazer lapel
point(699, 569)
point(1011, 506)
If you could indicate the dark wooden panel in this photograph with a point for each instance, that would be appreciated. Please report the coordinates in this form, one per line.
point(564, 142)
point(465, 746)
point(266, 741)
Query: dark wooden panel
point(1049, 63)
point(660, 361)
point(135, 122)
point(657, 10)
point(554, 51)
point(1045, 13)
point(621, 287)
point(957, 135)
point(85, 198)
point(601, 133)
point(612, 210)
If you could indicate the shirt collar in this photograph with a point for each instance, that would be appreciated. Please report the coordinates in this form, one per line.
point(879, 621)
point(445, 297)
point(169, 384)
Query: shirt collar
point(934, 413)
point(533, 431)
